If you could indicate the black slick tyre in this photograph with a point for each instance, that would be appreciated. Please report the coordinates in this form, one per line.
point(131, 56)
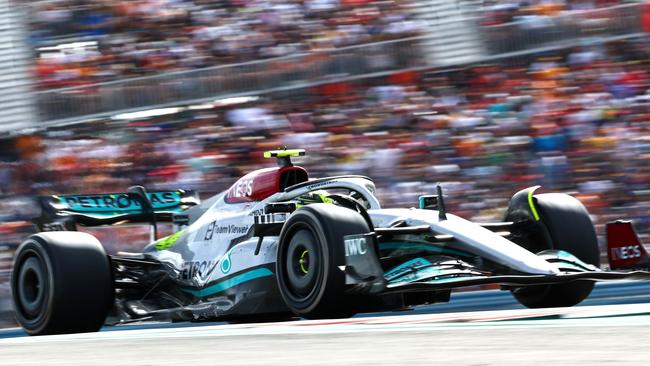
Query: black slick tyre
point(310, 252)
point(61, 283)
point(565, 225)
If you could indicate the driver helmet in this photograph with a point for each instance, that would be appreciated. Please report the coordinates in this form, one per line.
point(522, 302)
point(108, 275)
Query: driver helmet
point(320, 196)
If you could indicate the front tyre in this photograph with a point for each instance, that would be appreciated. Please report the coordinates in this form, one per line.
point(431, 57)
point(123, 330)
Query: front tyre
point(61, 283)
point(565, 225)
point(310, 252)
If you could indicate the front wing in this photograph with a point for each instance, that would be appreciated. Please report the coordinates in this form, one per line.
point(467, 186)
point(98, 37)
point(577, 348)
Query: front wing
point(364, 271)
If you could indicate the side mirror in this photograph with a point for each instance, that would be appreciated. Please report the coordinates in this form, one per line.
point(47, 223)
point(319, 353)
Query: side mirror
point(431, 202)
point(428, 202)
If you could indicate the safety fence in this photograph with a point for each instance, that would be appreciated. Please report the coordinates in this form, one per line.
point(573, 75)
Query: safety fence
point(307, 69)
point(564, 29)
point(249, 77)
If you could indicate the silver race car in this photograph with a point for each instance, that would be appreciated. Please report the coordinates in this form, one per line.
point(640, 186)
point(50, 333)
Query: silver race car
point(279, 244)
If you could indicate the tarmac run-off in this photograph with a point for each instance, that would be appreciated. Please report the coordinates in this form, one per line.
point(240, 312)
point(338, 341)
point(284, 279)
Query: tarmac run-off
point(588, 334)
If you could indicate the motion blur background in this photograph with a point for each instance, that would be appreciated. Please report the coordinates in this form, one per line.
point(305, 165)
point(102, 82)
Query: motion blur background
point(487, 97)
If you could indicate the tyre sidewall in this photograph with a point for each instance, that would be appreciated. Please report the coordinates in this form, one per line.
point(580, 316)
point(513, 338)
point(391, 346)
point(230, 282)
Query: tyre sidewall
point(33, 247)
point(569, 226)
point(330, 224)
point(80, 282)
point(565, 225)
point(305, 220)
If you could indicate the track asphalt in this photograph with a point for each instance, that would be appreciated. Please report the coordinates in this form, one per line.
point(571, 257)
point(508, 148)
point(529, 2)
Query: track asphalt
point(478, 328)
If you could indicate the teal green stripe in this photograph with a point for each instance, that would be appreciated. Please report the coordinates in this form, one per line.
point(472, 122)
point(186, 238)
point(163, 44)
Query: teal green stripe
point(231, 282)
point(422, 247)
point(413, 264)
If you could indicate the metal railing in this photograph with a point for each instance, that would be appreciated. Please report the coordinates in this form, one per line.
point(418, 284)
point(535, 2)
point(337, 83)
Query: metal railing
point(216, 82)
point(563, 29)
point(303, 70)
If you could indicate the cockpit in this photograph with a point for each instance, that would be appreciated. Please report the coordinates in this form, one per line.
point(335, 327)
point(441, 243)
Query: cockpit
point(291, 182)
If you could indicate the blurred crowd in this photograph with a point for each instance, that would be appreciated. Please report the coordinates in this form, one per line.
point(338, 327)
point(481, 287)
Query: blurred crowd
point(96, 41)
point(496, 12)
point(82, 42)
point(575, 120)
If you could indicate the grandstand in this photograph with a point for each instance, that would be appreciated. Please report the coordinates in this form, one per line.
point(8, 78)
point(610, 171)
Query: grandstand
point(16, 100)
point(83, 69)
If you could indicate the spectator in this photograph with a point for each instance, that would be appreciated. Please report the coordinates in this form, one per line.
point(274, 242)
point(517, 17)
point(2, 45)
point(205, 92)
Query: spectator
point(129, 38)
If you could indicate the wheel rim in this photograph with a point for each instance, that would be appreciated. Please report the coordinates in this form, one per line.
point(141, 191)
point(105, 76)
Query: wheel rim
point(304, 261)
point(32, 287)
point(303, 264)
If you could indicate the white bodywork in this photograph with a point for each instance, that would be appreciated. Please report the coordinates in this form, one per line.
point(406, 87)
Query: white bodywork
point(472, 238)
point(206, 254)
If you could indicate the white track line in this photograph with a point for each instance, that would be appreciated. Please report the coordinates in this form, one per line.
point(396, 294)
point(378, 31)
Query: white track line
point(590, 316)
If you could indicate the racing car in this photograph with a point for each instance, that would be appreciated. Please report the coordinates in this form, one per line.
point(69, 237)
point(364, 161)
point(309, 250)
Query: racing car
point(278, 245)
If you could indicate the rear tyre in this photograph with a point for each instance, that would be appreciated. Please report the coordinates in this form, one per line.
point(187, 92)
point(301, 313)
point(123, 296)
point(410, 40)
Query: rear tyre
point(310, 252)
point(61, 283)
point(565, 226)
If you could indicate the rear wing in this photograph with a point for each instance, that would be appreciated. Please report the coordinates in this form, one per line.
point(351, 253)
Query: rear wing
point(65, 212)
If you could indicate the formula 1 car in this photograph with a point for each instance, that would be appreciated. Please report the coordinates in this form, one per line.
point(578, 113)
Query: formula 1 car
point(278, 244)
